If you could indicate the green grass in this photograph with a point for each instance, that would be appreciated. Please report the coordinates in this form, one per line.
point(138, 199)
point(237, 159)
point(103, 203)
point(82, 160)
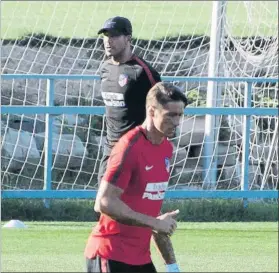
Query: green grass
point(152, 19)
point(200, 247)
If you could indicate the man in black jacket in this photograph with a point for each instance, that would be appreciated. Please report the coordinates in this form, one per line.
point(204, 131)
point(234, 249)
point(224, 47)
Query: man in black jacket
point(125, 81)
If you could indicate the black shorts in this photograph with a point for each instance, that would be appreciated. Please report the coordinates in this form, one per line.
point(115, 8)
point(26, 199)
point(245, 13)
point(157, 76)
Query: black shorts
point(102, 265)
point(102, 167)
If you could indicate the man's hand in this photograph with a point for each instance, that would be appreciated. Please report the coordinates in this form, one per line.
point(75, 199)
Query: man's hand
point(167, 223)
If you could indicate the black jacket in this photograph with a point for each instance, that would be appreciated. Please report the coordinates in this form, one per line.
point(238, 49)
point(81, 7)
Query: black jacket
point(124, 88)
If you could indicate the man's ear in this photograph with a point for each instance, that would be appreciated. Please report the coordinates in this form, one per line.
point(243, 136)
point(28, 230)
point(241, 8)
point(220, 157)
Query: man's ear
point(150, 111)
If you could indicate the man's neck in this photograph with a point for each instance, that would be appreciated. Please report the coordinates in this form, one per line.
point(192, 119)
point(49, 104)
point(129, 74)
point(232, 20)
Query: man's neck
point(123, 58)
point(152, 134)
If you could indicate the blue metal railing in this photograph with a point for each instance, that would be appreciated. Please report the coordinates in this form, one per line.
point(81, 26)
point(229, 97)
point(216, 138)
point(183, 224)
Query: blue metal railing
point(50, 110)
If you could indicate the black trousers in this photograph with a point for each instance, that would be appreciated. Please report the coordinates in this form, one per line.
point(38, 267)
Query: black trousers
point(102, 265)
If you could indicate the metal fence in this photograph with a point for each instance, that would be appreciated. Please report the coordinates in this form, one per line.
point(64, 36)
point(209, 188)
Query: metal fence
point(50, 109)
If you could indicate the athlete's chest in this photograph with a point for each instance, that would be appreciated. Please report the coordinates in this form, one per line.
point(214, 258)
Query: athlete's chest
point(152, 174)
point(118, 79)
point(154, 164)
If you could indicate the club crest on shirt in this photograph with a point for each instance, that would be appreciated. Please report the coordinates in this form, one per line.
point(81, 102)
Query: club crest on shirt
point(167, 162)
point(123, 79)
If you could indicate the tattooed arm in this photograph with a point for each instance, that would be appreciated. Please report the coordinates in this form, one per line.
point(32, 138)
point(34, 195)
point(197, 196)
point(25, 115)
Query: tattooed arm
point(164, 246)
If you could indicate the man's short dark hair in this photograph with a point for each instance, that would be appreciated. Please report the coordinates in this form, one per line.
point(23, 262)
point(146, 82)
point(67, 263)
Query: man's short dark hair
point(164, 92)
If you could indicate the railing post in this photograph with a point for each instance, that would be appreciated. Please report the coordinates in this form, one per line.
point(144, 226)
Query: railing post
point(246, 142)
point(48, 140)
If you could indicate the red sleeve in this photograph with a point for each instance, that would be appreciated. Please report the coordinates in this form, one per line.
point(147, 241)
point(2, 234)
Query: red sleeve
point(120, 166)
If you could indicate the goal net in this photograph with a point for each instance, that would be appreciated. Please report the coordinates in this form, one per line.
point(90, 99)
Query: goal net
point(174, 36)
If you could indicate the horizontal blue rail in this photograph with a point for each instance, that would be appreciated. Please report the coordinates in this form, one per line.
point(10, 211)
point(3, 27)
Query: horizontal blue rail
point(100, 110)
point(50, 110)
point(174, 194)
point(164, 78)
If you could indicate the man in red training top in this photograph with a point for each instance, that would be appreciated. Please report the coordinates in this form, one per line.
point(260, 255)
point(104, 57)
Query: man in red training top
point(132, 190)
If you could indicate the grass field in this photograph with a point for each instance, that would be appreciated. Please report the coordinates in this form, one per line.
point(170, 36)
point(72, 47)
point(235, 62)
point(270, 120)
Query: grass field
point(151, 19)
point(200, 247)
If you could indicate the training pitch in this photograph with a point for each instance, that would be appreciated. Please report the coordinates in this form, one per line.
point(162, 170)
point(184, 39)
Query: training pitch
point(151, 19)
point(199, 247)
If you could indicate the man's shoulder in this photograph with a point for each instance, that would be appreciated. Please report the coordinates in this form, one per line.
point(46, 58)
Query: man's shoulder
point(147, 70)
point(129, 140)
point(132, 136)
point(105, 65)
point(106, 62)
point(142, 62)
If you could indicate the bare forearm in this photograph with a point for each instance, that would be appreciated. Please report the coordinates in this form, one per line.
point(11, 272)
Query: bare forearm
point(119, 211)
point(164, 246)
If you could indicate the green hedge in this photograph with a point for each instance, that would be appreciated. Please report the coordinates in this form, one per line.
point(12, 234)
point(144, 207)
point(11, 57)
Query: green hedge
point(206, 210)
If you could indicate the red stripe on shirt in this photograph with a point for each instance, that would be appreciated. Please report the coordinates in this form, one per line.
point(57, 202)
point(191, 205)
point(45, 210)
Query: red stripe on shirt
point(146, 69)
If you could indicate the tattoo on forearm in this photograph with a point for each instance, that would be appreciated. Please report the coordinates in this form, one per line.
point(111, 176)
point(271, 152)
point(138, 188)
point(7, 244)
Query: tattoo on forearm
point(164, 246)
point(129, 222)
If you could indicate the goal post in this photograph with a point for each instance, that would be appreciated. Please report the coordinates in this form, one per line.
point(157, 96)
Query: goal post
point(213, 95)
point(178, 38)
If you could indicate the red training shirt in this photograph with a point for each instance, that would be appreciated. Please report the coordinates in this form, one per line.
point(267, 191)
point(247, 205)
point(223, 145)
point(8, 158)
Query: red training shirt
point(141, 169)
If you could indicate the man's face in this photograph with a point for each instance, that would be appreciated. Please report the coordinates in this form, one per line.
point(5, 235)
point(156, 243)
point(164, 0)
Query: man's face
point(115, 43)
point(167, 119)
